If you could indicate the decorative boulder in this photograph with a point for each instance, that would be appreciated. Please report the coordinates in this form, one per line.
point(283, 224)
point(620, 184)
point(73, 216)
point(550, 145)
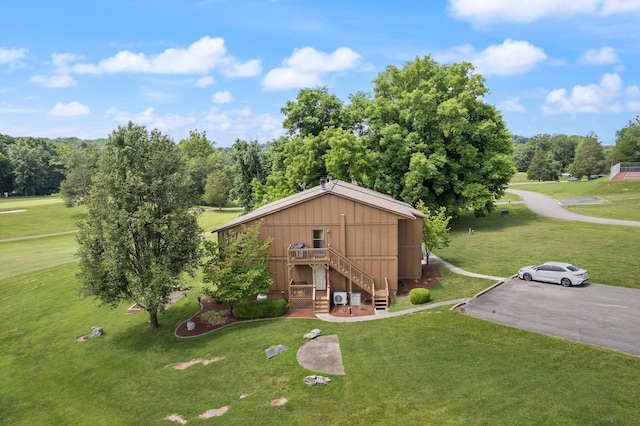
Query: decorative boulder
point(275, 350)
point(313, 334)
point(191, 325)
point(316, 380)
point(96, 331)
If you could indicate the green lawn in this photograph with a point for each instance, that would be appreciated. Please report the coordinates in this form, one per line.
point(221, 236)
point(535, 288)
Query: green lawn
point(431, 367)
point(425, 368)
point(501, 244)
point(45, 216)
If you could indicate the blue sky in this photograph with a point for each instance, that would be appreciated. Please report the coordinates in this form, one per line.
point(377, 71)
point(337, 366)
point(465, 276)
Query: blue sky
point(227, 67)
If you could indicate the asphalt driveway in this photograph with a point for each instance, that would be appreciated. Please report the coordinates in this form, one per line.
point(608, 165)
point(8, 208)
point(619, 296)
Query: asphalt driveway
point(597, 314)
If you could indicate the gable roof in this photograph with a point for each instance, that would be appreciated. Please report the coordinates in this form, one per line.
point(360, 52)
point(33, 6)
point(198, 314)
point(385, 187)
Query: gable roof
point(336, 187)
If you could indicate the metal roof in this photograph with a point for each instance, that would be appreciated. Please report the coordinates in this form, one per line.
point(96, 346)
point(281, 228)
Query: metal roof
point(338, 188)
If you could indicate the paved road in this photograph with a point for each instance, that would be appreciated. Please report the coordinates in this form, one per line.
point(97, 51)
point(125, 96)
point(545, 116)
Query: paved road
point(547, 206)
point(597, 314)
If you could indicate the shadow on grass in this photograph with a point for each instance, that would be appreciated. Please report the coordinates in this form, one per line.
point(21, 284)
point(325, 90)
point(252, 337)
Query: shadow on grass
point(496, 221)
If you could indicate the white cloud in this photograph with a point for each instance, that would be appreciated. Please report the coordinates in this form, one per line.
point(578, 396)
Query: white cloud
point(306, 67)
point(289, 78)
point(511, 105)
point(165, 123)
point(70, 110)
point(603, 56)
point(204, 82)
point(594, 98)
point(12, 56)
point(236, 69)
point(614, 7)
point(201, 57)
point(222, 97)
point(54, 81)
point(512, 57)
point(489, 11)
point(242, 123)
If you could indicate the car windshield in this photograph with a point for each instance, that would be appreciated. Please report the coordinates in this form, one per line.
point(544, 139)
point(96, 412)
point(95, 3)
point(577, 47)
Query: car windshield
point(572, 268)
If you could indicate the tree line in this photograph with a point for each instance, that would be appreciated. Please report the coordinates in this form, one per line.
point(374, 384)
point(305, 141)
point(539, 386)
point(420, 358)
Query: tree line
point(546, 157)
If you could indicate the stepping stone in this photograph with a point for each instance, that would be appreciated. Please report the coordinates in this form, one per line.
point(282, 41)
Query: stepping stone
point(275, 350)
point(322, 354)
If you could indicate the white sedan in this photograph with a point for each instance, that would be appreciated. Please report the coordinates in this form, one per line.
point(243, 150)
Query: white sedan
point(554, 272)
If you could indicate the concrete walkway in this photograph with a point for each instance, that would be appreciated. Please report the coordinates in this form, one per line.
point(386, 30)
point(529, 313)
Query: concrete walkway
point(384, 313)
point(547, 206)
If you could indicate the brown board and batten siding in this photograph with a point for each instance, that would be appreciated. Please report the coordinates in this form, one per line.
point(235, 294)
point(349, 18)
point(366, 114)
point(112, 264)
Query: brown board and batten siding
point(379, 235)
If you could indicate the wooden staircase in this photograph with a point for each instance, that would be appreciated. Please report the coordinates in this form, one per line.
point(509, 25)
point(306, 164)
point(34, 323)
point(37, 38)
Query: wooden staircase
point(381, 298)
point(343, 265)
point(321, 306)
point(315, 256)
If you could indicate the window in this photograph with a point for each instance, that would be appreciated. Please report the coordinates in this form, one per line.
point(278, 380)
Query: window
point(318, 238)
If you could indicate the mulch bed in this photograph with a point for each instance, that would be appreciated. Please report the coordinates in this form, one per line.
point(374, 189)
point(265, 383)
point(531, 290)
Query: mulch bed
point(430, 276)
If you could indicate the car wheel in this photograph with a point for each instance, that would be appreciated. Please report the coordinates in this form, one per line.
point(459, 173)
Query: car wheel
point(566, 282)
point(527, 276)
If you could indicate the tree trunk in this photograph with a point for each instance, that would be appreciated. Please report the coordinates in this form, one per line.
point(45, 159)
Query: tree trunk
point(153, 318)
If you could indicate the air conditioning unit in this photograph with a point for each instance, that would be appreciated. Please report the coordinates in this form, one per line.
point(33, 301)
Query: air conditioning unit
point(339, 297)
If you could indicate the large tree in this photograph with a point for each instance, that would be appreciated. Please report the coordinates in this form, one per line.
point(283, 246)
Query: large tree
point(589, 157)
point(216, 189)
point(80, 162)
point(313, 111)
point(432, 118)
point(140, 234)
point(627, 147)
point(540, 167)
point(248, 164)
point(35, 170)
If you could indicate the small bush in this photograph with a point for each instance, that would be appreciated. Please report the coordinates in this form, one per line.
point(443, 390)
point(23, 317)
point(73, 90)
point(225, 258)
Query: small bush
point(418, 296)
point(251, 309)
point(214, 317)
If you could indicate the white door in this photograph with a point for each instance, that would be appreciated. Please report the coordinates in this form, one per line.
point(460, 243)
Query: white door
point(320, 277)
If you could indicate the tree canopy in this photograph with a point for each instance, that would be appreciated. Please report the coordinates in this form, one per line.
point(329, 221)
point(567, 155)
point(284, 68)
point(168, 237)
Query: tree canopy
point(424, 134)
point(627, 148)
point(140, 233)
point(589, 157)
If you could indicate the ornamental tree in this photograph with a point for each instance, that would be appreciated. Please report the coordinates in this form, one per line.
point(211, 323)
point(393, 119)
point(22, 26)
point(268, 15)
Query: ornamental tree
point(435, 228)
point(238, 265)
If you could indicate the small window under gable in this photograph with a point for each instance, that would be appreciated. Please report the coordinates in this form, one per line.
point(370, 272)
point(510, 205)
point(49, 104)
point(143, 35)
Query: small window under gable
point(318, 238)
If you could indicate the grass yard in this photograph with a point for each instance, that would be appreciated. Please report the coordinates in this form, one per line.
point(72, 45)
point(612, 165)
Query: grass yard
point(431, 367)
point(451, 286)
point(426, 368)
point(46, 215)
point(501, 244)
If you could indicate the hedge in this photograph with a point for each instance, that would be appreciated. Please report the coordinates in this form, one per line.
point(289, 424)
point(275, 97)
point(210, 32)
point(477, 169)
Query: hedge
point(251, 309)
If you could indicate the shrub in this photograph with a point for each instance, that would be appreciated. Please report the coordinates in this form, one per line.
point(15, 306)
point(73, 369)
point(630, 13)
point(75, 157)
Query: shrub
point(251, 309)
point(418, 296)
point(214, 317)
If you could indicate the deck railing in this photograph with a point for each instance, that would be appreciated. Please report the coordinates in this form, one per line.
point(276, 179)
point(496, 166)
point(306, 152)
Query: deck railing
point(308, 255)
point(300, 291)
point(337, 261)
